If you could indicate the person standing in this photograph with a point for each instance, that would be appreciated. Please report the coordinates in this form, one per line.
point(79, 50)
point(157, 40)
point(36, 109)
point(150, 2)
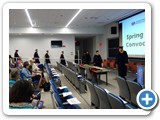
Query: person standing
point(84, 58)
point(47, 57)
point(122, 62)
point(62, 59)
point(36, 56)
point(88, 58)
point(16, 55)
point(76, 58)
point(97, 59)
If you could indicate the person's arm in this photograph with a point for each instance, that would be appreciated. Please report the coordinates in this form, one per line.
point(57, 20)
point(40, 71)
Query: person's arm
point(26, 73)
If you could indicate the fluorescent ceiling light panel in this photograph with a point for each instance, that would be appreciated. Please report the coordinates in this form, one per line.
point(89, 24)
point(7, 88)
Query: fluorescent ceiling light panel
point(29, 18)
point(73, 17)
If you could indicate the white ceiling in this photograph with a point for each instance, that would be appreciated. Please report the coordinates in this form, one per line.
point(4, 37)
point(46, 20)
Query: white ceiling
point(60, 17)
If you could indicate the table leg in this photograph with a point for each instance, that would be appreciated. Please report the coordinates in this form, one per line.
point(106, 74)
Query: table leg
point(106, 79)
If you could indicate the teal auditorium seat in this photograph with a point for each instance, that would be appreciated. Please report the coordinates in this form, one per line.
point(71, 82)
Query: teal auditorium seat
point(94, 96)
point(115, 101)
point(103, 97)
point(134, 88)
point(124, 92)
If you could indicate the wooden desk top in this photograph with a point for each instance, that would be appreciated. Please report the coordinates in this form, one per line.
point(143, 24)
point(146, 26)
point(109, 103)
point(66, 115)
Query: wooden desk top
point(99, 69)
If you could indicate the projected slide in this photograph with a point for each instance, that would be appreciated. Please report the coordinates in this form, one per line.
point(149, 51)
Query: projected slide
point(133, 35)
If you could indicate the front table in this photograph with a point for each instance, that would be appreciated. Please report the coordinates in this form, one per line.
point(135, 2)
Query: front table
point(99, 71)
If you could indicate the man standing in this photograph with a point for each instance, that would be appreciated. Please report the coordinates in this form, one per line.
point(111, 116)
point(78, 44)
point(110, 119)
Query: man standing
point(88, 58)
point(16, 55)
point(97, 59)
point(47, 58)
point(36, 56)
point(122, 61)
point(63, 62)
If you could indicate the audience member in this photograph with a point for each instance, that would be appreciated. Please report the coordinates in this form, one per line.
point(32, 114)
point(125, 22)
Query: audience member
point(14, 76)
point(11, 62)
point(21, 96)
point(97, 59)
point(27, 75)
point(19, 62)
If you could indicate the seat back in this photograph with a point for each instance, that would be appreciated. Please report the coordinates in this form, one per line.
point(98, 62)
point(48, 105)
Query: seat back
point(115, 101)
point(89, 75)
point(94, 96)
point(134, 88)
point(129, 106)
point(123, 88)
point(103, 99)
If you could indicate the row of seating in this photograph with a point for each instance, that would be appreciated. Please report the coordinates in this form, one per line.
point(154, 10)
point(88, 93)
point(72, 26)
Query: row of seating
point(132, 66)
point(76, 79)
point(128, 90)
point(60, 100)
point(103, 99)
point(72, 66)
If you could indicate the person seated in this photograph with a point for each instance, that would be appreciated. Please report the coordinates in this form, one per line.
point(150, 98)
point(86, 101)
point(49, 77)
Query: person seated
point(31, 76)
point(19, 62)
point(11, 62)
point(14, 76)
point(21, 96)
point(35, 69)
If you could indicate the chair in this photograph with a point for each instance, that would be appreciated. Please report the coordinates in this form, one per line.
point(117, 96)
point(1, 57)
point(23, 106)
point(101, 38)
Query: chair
point(94, 96)
point(89, 75)
point(124, 92)
point(129, 106)
point(134, 88)
point(115, 101)
point(103, 99)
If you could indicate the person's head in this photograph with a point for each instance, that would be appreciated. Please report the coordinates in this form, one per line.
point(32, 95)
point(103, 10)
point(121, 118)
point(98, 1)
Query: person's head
point(10, 56)
point(120, 48)
point(14, 74)
point(36, 50)
point(19, 58)
point(16, 50)
point(97, 52)
point(26, 64)
point(62, 52)
point(21, 91)
point(47, 51)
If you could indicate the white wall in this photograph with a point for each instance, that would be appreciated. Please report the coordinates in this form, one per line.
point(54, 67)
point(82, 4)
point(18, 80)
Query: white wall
point(104, 39)
point(26, 44)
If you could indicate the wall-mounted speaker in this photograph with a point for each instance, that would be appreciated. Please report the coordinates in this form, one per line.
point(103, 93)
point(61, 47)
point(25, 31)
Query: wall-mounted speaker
point(113, 30)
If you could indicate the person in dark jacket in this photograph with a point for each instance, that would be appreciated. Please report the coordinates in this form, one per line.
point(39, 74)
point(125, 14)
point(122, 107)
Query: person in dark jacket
point(122, 61)
point(88, 58)
point(36, 56)
point(84, 58)
point(16, 55)
point(76, 58)
point(97, 59)
point(47, 57)
point(62, 59)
